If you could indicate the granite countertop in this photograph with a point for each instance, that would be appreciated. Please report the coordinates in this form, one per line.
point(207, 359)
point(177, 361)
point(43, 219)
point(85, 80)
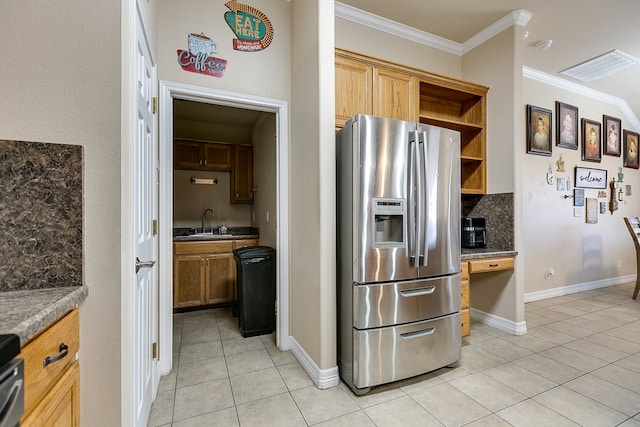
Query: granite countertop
point(479, 253)
point(191, 234)
point(28, 312)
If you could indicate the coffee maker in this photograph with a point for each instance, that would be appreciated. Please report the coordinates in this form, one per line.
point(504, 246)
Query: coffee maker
point(474, 234)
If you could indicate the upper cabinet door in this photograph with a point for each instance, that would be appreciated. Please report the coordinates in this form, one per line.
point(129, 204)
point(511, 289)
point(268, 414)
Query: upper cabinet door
point(217, 156)
point(353, 89)
point(187, 154)
point(395, 95)
point(242, 174)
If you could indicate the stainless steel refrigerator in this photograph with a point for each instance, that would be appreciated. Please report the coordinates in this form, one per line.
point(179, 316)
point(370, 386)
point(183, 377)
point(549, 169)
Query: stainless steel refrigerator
point(398, 238)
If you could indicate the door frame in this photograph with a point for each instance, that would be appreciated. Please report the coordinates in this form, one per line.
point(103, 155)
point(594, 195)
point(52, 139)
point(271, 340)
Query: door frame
point(167, 93)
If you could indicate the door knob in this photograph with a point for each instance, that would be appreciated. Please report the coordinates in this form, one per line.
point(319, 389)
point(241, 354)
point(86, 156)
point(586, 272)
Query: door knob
point(143, 264)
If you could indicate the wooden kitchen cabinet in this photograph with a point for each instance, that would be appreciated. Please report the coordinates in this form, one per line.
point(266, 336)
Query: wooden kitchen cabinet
point(465, 315)
point(366, 85)
point(363, 87)
point(52, 391)
point(201, 155)
point(242, 174)
point(204, 272)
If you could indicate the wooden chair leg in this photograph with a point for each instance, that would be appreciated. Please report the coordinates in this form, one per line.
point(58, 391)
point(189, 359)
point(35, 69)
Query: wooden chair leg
point(635, 292)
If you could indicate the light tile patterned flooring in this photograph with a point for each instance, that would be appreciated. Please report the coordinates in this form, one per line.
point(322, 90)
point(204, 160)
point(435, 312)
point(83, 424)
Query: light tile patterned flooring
point(579, 364)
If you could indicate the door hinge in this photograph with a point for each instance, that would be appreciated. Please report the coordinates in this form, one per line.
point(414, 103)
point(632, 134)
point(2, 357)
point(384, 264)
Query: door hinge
point(154, 226)
point(154, 350)
point(154, 104)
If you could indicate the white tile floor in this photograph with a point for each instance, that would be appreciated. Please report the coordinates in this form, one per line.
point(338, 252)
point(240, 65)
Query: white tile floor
point(578, 365)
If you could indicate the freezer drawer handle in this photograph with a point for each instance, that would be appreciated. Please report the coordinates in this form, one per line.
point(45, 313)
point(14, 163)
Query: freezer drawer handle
point(418, 291)
point(418, 334)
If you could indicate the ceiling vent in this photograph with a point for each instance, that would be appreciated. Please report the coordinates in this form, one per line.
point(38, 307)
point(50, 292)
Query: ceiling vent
point(601, 66)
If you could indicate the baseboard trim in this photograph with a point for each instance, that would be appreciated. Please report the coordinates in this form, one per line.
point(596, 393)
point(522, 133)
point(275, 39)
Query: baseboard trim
point(579, 287)
point(322, 378)
point(506, 325)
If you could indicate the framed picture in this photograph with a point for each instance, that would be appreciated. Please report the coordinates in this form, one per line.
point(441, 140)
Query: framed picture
point(566, 125)
point(538, 131)
point(591, 141)
point(630, 148)
point(612, 127)
point(590, 178)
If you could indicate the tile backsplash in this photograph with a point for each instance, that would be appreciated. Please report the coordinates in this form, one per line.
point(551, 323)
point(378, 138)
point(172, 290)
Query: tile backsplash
point(40, 215)
point(497, 210)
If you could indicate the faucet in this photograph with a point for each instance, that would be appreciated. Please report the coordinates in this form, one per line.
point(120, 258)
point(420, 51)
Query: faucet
point(204, 217)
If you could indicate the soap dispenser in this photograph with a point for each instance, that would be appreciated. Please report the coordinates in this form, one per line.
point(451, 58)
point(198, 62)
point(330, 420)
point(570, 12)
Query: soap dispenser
point(223, 228)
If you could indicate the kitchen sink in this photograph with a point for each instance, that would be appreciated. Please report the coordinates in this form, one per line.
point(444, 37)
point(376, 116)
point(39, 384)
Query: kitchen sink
point(209, 233)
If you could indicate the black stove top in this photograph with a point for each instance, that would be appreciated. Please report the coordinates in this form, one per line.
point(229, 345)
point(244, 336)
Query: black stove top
point(9, 348)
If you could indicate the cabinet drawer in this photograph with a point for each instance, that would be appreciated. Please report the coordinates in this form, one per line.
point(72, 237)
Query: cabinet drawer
point(404, 302)
point(490, 264)
point(397, 352)
point(191, 248)
point(245, 242)
point(39, 378)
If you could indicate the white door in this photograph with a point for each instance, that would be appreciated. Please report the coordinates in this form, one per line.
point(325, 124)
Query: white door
point(145, 297)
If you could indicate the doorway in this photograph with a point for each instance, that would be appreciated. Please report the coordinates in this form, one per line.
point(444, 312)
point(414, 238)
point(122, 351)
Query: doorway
point(169, 92)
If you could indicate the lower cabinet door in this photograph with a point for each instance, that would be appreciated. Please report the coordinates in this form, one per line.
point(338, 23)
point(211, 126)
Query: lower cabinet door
point(61, 406)
point(384, 355)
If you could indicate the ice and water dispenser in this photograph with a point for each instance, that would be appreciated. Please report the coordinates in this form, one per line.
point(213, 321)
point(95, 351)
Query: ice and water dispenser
point(390, 217)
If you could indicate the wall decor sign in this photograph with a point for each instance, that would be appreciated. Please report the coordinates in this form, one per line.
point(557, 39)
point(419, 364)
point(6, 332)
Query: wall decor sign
point(251, 26)
point(198, 59)
point(590, 178)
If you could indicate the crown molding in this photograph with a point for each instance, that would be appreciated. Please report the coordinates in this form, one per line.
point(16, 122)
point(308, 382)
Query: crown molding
point(518, 17)
point(561, 83)
point(395, 28)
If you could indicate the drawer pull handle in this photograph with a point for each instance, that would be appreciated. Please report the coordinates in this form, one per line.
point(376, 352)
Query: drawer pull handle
point(493, 265)
point(418, 334)
point(64, 350)
point(418, 291)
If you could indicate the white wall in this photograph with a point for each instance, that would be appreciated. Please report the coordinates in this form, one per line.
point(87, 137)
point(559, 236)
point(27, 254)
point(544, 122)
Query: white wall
point(264, 155)
point(579, 253)
point(264, 73)
point(191, 200)
point(61, 84)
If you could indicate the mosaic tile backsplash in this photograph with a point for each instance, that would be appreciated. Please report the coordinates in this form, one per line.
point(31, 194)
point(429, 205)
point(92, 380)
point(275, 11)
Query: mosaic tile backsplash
point(40, 215)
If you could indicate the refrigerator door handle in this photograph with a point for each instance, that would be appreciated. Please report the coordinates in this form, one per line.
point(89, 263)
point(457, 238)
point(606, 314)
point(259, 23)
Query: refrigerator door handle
point(423, 217)
point(411, 210)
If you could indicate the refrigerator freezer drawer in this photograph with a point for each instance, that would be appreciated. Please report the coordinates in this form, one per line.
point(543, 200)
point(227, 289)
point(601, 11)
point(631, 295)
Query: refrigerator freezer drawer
point(389, 354)
point(386, 304)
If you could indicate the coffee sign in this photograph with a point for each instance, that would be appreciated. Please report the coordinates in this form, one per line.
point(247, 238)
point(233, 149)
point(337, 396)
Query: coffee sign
point(198, 59)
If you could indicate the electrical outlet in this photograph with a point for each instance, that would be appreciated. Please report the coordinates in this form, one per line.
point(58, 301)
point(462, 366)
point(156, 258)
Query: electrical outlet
point(549, 273)
point(267, 216)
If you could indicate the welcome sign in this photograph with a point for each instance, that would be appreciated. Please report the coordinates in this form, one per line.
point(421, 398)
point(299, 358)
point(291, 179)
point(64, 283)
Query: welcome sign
point(252, 28)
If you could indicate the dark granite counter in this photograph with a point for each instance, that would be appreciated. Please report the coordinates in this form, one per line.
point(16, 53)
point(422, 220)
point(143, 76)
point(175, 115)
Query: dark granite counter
point(196, 234)
point(468, 254)
point(28, 312)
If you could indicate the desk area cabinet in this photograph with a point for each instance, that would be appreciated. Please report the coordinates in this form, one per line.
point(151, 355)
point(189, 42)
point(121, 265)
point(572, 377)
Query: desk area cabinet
point(468, 268)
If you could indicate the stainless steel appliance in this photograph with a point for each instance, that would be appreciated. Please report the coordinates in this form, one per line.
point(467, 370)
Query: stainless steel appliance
point(474, 233)
point(11, 381)
point(398, 233)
